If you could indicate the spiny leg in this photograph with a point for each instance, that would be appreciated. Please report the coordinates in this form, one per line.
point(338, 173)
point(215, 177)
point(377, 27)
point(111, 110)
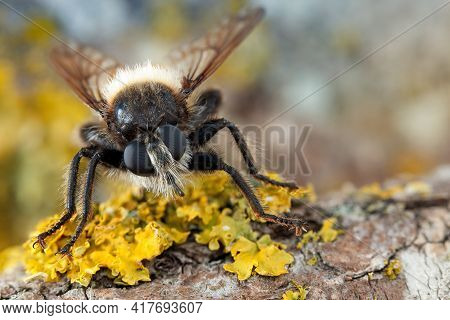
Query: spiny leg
point(71, 194)
point(87, 195)
point(297, 224)
point(266, 179)
point(210, 128)
point(203, 161)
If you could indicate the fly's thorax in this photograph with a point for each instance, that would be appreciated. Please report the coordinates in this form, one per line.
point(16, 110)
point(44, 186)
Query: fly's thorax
point(141, 73)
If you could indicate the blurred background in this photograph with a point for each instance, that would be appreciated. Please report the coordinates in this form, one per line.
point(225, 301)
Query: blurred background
point(387, 116)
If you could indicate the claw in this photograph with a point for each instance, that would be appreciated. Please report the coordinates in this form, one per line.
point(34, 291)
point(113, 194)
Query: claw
point(300, 228)
point(41, 242)
point(65, 251)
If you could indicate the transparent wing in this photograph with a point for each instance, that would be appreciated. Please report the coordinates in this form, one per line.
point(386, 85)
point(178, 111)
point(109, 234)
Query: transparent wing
point(86, 70)
point(199, 59)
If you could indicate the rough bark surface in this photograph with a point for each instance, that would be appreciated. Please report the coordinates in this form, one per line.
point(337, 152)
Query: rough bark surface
point(414, 231)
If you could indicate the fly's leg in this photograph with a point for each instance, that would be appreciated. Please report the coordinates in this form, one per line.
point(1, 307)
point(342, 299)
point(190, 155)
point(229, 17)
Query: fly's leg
point(210, 128)
point(71, 195)
point(87, 196)
point(211, 162)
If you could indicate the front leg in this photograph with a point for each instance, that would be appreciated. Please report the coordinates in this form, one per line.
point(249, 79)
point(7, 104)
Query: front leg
point(95, 135)
point(203, 161)
point(71, 194)
point(210, 128)
point(87, 195)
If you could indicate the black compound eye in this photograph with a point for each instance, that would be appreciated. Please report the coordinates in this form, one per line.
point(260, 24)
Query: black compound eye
point(136, 159)
point(121, 112)
point(174, 140)
point(124, 118)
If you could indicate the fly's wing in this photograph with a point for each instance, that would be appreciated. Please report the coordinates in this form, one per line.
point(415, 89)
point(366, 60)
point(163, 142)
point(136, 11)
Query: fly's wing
point(199, 59)
point(86, 70)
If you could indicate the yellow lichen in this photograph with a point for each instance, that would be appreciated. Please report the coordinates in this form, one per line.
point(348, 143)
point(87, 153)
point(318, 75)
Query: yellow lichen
point(327, 233)
point(410, 188)
point(312, 261)
point(419, 188)
point(136, 226)
point(299, 293)
point(264, 256)
point(393, 269)
point(309, 236)
point(224, 230)
point(376, 190)
point(113, 241)
point(279, 199)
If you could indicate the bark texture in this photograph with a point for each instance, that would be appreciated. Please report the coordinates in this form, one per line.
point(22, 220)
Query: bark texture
point(410, 229)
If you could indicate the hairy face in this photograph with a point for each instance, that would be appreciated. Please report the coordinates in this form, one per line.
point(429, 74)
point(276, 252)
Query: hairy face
point(147, 115)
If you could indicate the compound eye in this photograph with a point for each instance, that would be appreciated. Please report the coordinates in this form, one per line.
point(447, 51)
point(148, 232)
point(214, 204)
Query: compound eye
point(123, 117)
point(174, 139)
point(120, 112)
point(136, 159)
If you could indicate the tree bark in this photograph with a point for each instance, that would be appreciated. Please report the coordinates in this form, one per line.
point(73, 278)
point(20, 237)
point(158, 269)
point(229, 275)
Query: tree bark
point(413, 230)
